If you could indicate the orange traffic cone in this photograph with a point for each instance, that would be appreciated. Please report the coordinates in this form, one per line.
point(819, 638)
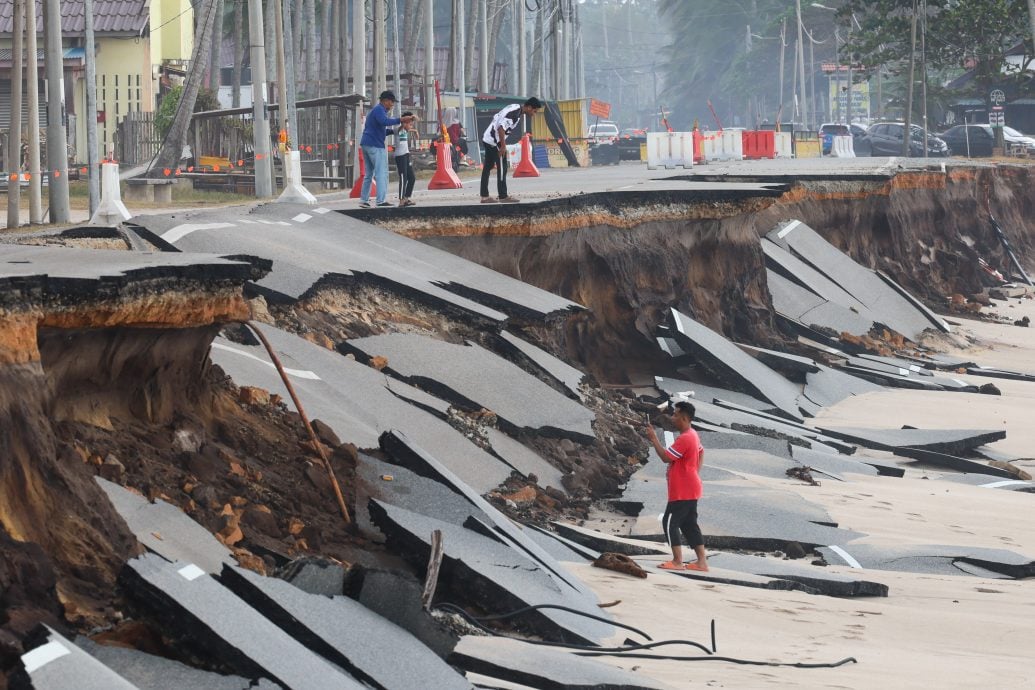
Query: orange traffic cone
point(444, 177)
point(526, 167)
point(358, 187)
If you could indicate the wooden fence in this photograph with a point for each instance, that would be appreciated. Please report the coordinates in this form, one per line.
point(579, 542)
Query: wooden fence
point(137, 139)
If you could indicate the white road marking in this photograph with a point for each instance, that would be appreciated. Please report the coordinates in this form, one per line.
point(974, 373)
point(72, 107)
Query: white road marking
point(190, 572)
point(180, 231)
point(1005, 482)
point(852, 563)
point(321, 210)
point(787, 229)
point(301, 217)
point(43, 655)
point(297, 373)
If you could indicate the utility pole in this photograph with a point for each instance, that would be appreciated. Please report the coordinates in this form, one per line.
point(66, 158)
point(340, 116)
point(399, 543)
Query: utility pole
point(908, 133)
point(483, 48)
point(14, 134)
point(429, 59)
point(1031, 21)
point(513, 79)
point(580, 56)
point(282, 94)
point(380, 47)
point(461, 21)
point(564, 64)
point(359, 49)
point(851, 85)
point(260, 114)
point(522, 53)
point(93, 179)
point(783, 50)
point(398, 63)
point(289, 73)
point(923, 69)
point(32, 84)
point(57, 142)
point(801, 64)
point(343, 52)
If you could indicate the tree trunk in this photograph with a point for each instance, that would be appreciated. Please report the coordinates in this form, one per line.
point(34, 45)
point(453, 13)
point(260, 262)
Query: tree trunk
point(537, 53)
point(450, 81)
point(176, 138)
point(326, 63)
point(414, 33)
point(473, 17)
point(215, 54)
point(239, 46)
point(270, 38)
point(297, 55)
point(496, 15)
point(311, 62)
point(341, 46)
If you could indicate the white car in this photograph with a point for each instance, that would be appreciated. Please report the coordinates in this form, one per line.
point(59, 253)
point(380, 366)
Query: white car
point(604, 132)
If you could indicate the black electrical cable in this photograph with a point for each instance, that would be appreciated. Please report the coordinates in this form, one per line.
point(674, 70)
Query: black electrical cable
point(584, 647)
point(632, 651)
point(744, 662)
point(526, 609)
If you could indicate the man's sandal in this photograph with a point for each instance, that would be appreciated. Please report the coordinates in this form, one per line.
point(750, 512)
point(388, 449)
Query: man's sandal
point(669, 565)
point(698, 568)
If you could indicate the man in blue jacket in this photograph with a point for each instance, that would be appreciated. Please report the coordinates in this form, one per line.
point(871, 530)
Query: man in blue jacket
point(375, 155)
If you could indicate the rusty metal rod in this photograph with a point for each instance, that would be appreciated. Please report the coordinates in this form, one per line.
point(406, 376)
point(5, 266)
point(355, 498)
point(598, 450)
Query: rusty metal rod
point(305, 421)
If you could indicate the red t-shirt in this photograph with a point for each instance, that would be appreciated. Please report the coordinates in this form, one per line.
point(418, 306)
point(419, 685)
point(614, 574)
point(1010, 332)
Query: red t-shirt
point(684, 483)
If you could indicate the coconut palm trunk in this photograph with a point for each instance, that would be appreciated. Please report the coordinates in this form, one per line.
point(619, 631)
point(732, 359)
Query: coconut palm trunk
point(176, 138)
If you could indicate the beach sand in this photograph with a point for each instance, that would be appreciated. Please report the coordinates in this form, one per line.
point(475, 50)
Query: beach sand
point(931, 631)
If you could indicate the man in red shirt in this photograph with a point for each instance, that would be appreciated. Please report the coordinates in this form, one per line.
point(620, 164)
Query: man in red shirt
point(684, 458)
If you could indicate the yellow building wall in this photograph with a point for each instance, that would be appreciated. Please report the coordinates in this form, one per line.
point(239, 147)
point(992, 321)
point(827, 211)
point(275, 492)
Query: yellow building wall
point(124, 85)
point(172, 30)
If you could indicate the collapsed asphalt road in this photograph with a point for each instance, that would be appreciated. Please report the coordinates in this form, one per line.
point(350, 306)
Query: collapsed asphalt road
point(445, 405)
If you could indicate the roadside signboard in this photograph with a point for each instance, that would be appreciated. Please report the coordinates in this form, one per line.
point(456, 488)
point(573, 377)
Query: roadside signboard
point(599, 108)
point(997, 118)
point(997, 97)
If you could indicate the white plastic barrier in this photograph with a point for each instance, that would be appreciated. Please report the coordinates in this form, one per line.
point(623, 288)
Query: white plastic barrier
point(710, 146)
point(842, 147)
point(111, 210)
point(784, 145)
point(727, 145)
point(670, 150)
point(733, 144)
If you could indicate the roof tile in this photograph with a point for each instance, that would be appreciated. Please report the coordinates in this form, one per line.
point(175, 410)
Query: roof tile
point(110, 16)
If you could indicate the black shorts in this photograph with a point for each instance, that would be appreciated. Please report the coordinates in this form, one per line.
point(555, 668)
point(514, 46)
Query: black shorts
point(681, 516)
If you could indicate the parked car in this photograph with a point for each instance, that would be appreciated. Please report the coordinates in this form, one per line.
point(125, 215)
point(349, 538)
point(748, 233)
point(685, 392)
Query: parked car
point(969, 140)
point(1012, 136)
point(978, 140)
point(603, 132)
point(828, 130)
point(885, 139)
point(629, 143)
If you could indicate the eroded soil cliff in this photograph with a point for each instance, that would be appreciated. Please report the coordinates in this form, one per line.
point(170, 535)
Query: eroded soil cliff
point(925, 229)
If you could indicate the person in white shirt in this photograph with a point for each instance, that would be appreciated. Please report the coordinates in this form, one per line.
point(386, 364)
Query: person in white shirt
point(494, 147)
point(404, 134)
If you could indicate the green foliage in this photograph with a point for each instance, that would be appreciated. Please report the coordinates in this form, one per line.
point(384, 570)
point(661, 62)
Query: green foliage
point(167, 110)
point(207, 100)
point(960, 35)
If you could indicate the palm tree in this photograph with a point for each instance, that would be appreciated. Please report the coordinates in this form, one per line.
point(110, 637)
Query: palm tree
point(176, 138)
